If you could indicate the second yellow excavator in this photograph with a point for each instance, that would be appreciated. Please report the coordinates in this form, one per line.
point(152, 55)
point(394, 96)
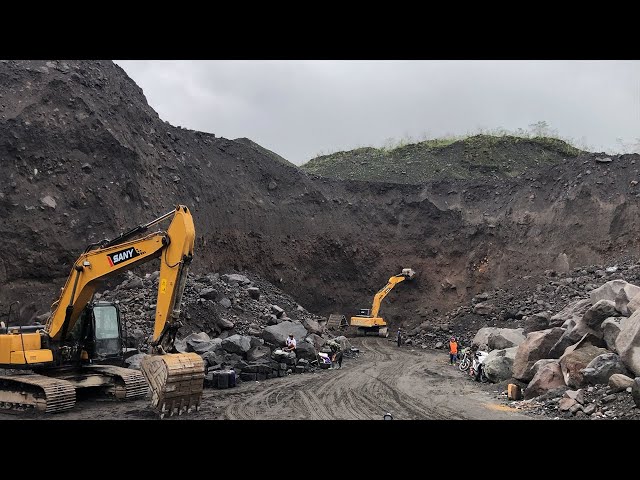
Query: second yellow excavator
point(368, 321)
point(81, 345)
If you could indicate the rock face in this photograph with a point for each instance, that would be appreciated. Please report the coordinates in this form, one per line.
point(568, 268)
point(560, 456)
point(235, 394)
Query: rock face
point(536, 346)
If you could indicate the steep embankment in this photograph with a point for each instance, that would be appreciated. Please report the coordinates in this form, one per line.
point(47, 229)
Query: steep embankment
point(84, 157)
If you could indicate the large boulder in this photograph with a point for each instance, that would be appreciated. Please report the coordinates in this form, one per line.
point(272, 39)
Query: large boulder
point(633, 305)
point(239, 344)
point(259, 354)
point(581, 328)
point(600, 311)
point(235, 279)
point(600, 369)
point(547, 378)
point(536, 346)
point(498, 364)
point(608, 291)
point(619, 382)
point(481, 339)
point(561, 345)
point(610, 330)
point(277, 334)
point(570, 314)
point(209, 294)
point(134, 361)
point(223, 323)
point(505, 338)
point(312, 326)
point(316, 340)
point(628, 343)
point(624, 296)
point(574, 360)
point(541, 363)
point(344, 342)
point(198, 342)
point(307, 351)
point(536, 322)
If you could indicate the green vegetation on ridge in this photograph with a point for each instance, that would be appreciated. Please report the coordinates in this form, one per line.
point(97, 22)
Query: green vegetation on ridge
point(475, 156)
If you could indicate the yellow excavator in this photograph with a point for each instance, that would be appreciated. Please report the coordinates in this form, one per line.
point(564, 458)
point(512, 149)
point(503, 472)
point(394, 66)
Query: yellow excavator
point(81, 345)
point(368, 321)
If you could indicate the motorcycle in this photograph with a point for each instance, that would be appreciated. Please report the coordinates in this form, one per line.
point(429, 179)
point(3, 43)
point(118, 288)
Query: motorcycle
point(477, 368)
point(465, 359)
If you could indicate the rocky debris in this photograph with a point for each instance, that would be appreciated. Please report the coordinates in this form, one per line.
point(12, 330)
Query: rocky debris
point(589, 371)
point(233, 338)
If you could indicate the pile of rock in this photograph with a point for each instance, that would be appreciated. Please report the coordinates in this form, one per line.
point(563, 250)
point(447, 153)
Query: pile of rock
point(578, 361)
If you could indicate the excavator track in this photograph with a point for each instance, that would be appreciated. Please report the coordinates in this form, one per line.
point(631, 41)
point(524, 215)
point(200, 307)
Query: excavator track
point(176, 381)
point(128, 383)
point(37, 392)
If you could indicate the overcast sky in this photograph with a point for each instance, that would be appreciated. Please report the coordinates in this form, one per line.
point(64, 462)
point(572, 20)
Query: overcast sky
point(303, 108)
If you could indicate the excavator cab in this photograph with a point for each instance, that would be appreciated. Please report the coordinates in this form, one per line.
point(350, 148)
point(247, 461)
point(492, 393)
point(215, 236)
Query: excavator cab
point(97, 337)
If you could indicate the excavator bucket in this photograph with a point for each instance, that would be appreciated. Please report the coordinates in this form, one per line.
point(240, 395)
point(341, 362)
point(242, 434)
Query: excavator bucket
point(175, 381)
point(408, 273)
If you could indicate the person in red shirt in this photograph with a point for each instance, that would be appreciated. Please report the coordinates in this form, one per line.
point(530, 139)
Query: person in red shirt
point(453, 351)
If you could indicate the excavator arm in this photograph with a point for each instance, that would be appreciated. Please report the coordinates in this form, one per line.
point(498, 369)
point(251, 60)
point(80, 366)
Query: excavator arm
point(369, 321)
point(175, 249)
point(378, 297)
point(175, 379)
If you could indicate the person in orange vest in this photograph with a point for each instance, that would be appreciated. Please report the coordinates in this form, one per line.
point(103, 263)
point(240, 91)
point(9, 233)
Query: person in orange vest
point(453, 351)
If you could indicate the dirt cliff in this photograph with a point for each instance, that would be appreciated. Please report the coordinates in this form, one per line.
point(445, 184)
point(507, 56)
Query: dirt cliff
point(84, 157)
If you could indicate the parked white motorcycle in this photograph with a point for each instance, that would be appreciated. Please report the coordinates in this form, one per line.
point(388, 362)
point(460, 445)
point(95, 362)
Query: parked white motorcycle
point(477, 367)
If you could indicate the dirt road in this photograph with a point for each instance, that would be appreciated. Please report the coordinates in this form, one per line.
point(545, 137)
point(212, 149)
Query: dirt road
point(411, 384)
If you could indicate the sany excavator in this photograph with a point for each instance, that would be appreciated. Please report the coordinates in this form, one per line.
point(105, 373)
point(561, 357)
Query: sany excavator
point(368, 321)
point(81, 344)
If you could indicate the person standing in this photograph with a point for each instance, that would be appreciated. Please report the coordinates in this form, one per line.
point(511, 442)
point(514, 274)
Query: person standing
point(453, 351)
point(399, 338)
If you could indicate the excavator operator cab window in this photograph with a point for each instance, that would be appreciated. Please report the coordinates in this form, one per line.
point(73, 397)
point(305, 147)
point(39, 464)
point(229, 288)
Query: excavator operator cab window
point(106, 327)
point(364, 312)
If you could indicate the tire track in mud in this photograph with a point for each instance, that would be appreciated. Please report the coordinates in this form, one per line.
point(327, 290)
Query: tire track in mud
point(411, 384)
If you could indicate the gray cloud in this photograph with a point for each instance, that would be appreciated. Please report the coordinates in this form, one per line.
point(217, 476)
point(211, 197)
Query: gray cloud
point(301, 108)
